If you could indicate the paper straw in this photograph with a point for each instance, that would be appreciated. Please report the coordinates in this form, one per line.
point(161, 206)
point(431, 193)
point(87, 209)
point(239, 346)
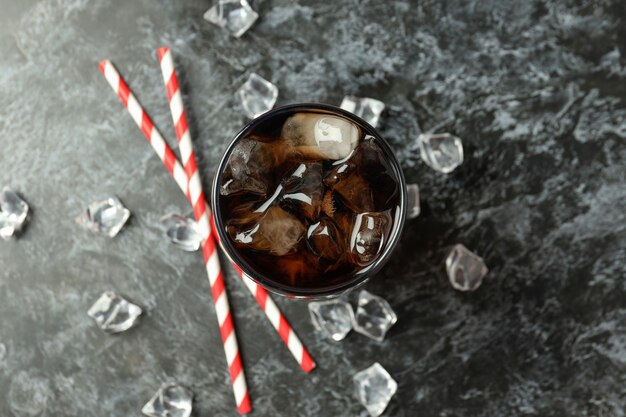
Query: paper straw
point(276, 318)
point(209, 250)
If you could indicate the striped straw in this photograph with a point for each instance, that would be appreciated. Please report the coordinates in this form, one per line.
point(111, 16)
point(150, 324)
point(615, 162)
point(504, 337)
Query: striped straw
point(278, 320)
point(209, 250)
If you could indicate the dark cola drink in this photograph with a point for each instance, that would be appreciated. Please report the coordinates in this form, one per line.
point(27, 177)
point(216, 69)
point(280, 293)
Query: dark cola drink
point(308, 199)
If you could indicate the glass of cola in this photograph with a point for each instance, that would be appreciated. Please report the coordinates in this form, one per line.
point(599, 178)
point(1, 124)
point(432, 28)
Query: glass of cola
point(309, 201)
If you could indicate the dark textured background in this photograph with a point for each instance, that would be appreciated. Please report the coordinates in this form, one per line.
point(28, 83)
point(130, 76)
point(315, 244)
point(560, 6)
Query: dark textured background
point(536, 90)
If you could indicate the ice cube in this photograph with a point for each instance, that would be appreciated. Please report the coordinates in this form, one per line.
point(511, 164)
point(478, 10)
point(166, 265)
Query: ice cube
point(304, 190)
point(355, 191)
point(257, 95)
point(443, 152)
point(374, 388)
point(413, 201)
point(182, 232)
point(465, 269)
point(13, 213)
point(334, 317)
point(321, 136)
point(276, 232)
point(113, 313)
point(374, 316)
point(355, 179)
point(368, 237)
point(324, 240)
point(247, 165)
point(105, 217)
point(235, 15)
point(368, 109)
point(171, 400)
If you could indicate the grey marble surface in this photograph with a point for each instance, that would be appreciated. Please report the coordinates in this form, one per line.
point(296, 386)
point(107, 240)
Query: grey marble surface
point(535, 89)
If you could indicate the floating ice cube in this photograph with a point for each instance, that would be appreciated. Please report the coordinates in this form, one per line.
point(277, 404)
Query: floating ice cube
point(356, 178)
point(182, 232)
point(374, 388)
point(368, 109)
point(113, 313)
point(106, 217)
point(413, 201)
point(321, 136)
point(324, 240)
point(465, 269)
point(246, 169)
point(334, 317)
point(374, 316)
point(257, 95)
point(304, 190)
point(442, 152)
point(276, 232)
point(13, 213)
point(367, 239)
point(171, 400)
point(235, 15)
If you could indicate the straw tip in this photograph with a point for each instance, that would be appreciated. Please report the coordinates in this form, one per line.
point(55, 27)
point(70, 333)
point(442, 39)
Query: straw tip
point(309, 367)
point(161, 52)
point(307, 363)
point(245, 407)
point(103, 64)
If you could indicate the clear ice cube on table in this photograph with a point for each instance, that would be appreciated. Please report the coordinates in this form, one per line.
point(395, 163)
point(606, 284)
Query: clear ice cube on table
point(113, 313)
point(374, 388)
point(413, 201)
point(368, 109)
point(465, 269)
point(106, 217)
point(13, 213)
point(334, 317)
point(234, 15)
point(171, 400)
point(182, 232)
point(442, 152)
point(374, 316)
point(257, 95)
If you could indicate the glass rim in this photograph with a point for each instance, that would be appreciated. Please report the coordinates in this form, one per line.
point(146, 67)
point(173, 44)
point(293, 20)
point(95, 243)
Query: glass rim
point(309, 292)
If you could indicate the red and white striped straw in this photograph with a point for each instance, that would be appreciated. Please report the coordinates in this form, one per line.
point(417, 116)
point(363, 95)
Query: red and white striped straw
point(209, 250)
point(270, 308)
point(267, 304)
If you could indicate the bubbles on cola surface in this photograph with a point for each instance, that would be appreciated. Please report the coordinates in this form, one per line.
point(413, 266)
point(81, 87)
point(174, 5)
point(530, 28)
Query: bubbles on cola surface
point(308, 198)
